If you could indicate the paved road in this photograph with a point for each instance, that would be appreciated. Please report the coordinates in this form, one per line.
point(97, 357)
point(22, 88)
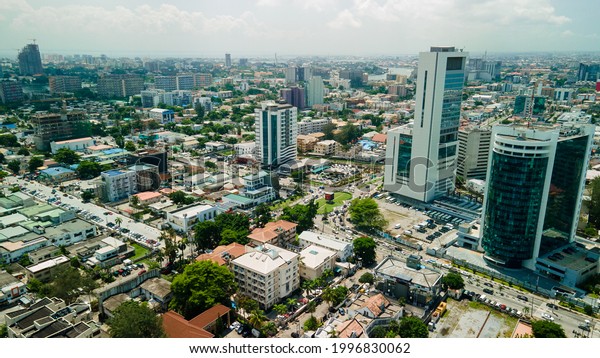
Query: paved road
point(148, 231)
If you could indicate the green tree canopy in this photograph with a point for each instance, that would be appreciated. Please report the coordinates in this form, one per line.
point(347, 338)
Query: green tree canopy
point(202, 285)
point(66, 156)
point(412, 327)
point(547, 329)
point(453, 280)
point(9, 140)
point(14, 166)
point(135, 320)
point(364, 249)
point(87, 195)
point(365, 214)
point(303, 215)
point(34, 163)
point(130, 146)
point(262, 215)
point(23, 151)
point(367, 277)
point(88, 169)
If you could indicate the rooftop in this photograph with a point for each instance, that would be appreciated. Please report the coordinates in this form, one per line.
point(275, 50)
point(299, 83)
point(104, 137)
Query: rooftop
point(220, 253)
point(48, 264)
point(191, 211)
point(74, 140)
point(313, 256)
point(395, 268)
point(323, 240)
point(265, 259)
point(56, 171)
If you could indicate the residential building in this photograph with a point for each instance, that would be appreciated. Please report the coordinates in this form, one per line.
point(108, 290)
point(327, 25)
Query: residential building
point(267, 274)
point(276, 133)
point(473, 152)
point(315, 260)
point(111, 86)
point(166, 83)
point(306, 143)
point(147, 197)
point(119, 184)
point(309, 125)
point(30, 61)
point(422, 156)
point(295, 96)
point(44, 270)
point(64, 84)
point(185, 218)
point(278, 233)
point(77, 145)
point(326, 147)
point(10, 91)
point(162, 115)
point(222, 255)
point(11, 289)
point(342, 249)
point(536, 176)
point(202, 80)
point(204, 325)
point(109, 252)
point(228, 60)
point(529, 106)
point(244, 148)
point(185, 81)
point(315, 91)
point(49, 127)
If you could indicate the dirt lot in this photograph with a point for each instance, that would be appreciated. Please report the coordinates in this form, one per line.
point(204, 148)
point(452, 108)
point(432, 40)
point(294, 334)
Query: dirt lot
point(465, 319)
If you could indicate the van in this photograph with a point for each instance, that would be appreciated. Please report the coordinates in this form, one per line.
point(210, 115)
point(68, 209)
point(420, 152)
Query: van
point(397, 226)
point(408, 232)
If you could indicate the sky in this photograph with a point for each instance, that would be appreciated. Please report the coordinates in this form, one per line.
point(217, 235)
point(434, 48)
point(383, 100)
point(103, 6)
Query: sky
point(263, 28)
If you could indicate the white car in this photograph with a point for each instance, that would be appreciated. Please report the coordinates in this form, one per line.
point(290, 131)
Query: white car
point(547, 317)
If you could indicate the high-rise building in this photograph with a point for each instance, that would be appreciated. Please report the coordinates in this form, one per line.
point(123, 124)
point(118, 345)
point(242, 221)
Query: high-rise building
point(536, 177)
point(227, 60)
point(10, 92)
point(64, 84)
point(525, 105)
point(294, 96)
point(30, 61)
point(111, 86)
point(243, 62)
point(473, 152)
point(167, 83)
point(59, 126)
point(422, 155)
point(276, 133)
point(202, 80)
point(315, 91)
point(588, 72)
point(290, 75)
point(185, 82)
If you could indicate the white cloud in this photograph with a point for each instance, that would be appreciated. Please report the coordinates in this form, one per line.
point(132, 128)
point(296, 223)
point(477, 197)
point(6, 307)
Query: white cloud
point(344, 19)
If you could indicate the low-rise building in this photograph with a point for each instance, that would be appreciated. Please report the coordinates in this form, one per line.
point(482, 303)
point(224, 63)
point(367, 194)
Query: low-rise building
point(244, 148)
point(57, 175)
point(222, 255)
point(204, 325)
point(44, 270)
point(11, 288)
point(343, 249)
point(77, 145)
point(147, 197)
point(185, 218)
point(325, 147)
point(306, 143)
point(277, 233)
point(162, 115)
point(108, 252)
point(315, 260)
point(267, 274)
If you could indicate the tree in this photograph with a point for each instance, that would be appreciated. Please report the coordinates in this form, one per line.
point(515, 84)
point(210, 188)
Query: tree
point(364, 249)
point(412, 327)
point(328, 130)
point(118, 221)
point(303, 215)
point(120, 141)
point(3, 331)
point(280, 308)
point(547, 329)
point(453, 281)
point(210, 165)
point(9, 140)
point(256, 319)
point(365, 214)
point(34, 163)
point(367, 277)
point(206, 235)
point(178, 197)
point(88, 169)
point(202, 285)
point(135, 320)
point(15, 166)
point(66, 156)
point(87, 195)
point(311, 324)
point(335, 296)
point(130, 146)
point(66, 281)
point(262, 215)
point(23, 151)
point(199, 108)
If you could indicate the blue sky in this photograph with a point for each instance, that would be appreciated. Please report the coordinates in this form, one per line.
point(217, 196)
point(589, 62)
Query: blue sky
point(254, 28)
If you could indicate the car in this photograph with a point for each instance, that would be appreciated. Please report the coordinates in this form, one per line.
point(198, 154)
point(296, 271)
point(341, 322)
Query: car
point(341, 311)
point(547, 317)
point(488, 284)
point(524, 298)
point(488, 291)
point(141, 272)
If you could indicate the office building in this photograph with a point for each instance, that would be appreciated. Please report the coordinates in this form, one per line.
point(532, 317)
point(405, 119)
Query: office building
point(10, 92)
point(527, 105)
point(473, 152)
point(227, 60)
point(243, 62)
point(294, 96)
point(30, 61)
point(185, 82)
point(202, 80)
point(422, 155)
point(64, 84)
point(276, 133)
point(111, 86)
point(536, 176)
point(315, 91)
point(294, 74)
point(49, 127)
point(588, 72)
point(267, 274)
point(166, 83)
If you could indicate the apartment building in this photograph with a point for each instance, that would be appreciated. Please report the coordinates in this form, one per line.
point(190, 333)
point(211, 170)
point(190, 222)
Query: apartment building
point(325, 147)
point(267, 274)
point(119, 184)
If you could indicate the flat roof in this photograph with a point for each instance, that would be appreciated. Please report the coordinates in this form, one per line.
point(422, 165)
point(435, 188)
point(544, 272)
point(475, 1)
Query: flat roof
point(147, 195)
point(238, 198)
point(265, 259)
point(47, 264)
point(191, 211)
point(57, 171)
point(394, 267)
point(313, 256)
point(323, 240)
point(74, 140)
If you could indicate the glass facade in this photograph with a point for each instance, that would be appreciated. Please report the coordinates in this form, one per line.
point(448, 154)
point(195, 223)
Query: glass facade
point(563, 198)
point(514, 196)
point(404, 151)
point(450, 120)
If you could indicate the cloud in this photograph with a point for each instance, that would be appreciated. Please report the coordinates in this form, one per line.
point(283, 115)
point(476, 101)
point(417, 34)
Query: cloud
point(344, 19)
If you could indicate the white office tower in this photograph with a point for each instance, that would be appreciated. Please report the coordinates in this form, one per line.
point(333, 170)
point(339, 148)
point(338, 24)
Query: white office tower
point(316, 91)
point(432, 139)
point(276, 133)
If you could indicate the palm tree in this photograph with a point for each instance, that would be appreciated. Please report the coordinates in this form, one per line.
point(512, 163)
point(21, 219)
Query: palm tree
point(118, 221)
point(328, 295)
point(257, 317)
point(311, 307)
point(291, 304)
point(280, 308)
point(308, 285)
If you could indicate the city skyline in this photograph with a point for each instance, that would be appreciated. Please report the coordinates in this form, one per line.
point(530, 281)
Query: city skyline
point(297, 28)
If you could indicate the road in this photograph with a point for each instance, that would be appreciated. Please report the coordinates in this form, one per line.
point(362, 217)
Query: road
point(135, 227)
